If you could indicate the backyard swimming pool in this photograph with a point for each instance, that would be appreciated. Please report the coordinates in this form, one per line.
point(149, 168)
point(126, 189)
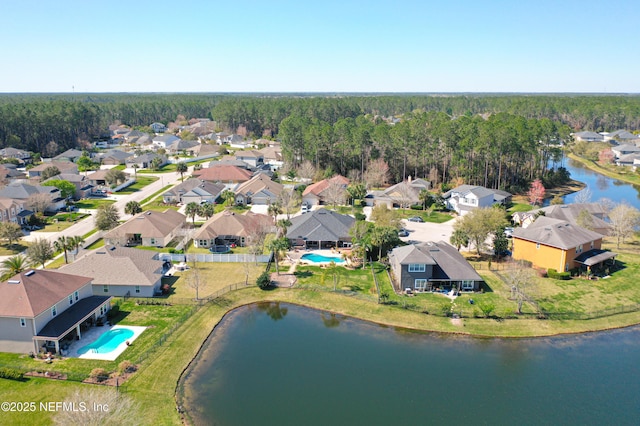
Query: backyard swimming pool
point(318, 258)
point(108, 342)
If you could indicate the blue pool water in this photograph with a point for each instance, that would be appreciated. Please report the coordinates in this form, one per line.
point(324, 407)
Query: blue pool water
point(108, 341)
point(318, 258)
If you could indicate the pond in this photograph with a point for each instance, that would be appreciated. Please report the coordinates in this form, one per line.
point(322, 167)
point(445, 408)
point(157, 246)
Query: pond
point(602, 186)
point(275, 363)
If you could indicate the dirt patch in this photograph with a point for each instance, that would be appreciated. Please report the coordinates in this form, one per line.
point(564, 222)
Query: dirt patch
point(283, 280)
point(111, 381)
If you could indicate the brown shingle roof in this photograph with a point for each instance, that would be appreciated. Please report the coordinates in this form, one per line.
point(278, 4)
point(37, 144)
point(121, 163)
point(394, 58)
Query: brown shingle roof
point(119, 266)
point(318, 187)
point(556, 233)
point(229, 223)
point(223, 174)
point(32, 292)
point(149, 224)
point(258, 183)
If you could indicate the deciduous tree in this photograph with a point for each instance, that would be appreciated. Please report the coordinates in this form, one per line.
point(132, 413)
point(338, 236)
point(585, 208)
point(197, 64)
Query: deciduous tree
point(624, 220)
point(480, 223)
point(107, 217)
point(536, 192)
point(40, 251)
point(11, 232)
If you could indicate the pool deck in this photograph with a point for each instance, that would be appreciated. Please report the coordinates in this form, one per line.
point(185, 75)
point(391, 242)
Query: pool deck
point(93, 334)
point(295, 256)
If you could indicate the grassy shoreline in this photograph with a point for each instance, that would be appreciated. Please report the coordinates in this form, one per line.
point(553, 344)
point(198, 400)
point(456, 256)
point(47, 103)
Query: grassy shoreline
point(593, 166)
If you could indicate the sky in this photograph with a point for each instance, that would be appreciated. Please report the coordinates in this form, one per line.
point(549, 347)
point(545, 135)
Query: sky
point(320, 46)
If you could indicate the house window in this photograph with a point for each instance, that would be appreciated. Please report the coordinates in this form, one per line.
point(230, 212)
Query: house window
point(76, 296)
point(54, 311)
point(579, 249)
point(591, 244)
point(105, 288)
point(137, 289)
point(467, 285)
point(417, 267)
point(420, 284)
point(537, 245)
point(152, 241)
point(23, 322)
point(71, 299)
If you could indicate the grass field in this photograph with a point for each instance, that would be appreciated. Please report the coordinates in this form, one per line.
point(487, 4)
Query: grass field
point(141, 182)
point(93, 203)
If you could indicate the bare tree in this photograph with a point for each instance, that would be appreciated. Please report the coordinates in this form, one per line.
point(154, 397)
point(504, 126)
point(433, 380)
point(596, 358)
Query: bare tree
point(306, 170)
point(377, 173)
point(404, 195)
point(583, 196)
point(289, 200)
point(521, 280)
point(624, 219)
point(194, 280)
point(38, 202)
point(335, 194)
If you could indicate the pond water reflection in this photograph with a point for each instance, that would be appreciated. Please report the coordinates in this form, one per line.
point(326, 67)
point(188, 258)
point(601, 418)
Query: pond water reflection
point(303, 366)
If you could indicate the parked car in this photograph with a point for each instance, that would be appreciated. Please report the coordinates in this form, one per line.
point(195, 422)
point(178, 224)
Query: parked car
point(403, 233)
point(415, 219)
point(508, 231)
point(305, 208)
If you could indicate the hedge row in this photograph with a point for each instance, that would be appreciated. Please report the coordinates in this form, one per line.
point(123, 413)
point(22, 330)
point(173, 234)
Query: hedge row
point(10, 373)
point(552, 273)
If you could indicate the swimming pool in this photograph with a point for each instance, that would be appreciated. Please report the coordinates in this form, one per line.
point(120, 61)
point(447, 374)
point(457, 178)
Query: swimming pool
point(318, 258)
point(108, 341)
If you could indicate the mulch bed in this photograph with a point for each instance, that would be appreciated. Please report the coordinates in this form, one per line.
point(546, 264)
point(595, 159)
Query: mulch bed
point(46, 375)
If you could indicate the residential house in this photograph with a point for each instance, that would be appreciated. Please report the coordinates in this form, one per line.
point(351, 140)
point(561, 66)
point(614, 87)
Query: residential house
point(81, 182)
point(557, 244)
point(69, 155)
point(465, 198)
point(622, 136)
point(230, 176)
point(150, 228)
point(158, 127)
point(320, 229)
point(9, 172)
point(98, 178)
point(403, 194)
point(252, 157)
point(627, 160)
point(164, 141)
point(272, 156)
point(570, 213)
point(145, 161)
point(227, 228)
point(26, 192)
point(193, 191)
point(42, 309)
point(319, 192)
point(204, 150)
point(259, 190)
point(63, 166)
point(588, 136)
point(12, 210)
point(19, 154)
point(432, 265)
point(180, 145)
point(620, 150)
point(114, 157)
point(138, 272)
point(229, 160)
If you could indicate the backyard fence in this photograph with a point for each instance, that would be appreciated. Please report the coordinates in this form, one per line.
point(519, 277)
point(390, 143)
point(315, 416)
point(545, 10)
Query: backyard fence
point(215, 258)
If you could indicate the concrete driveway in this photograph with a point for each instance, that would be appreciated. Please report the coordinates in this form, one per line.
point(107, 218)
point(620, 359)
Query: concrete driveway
point(428, 231)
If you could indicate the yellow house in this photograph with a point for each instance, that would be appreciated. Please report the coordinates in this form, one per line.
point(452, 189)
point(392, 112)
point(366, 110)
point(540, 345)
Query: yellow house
point(552, 243)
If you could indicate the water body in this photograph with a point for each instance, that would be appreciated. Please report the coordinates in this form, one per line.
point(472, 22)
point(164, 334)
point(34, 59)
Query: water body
point(602, 186)
point(280, 364)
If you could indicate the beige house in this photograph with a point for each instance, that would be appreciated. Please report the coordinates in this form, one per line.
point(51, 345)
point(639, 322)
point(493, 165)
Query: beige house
point(121, 271)
point(260, 190)
point(226, 228)
point(150, 228)
point(42, 308)
point(320, 192)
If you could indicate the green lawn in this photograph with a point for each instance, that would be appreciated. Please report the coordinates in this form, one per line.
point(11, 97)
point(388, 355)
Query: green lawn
point(141, 182)
point(519, 207)
point(93, 203)
point(155, 194)
point(61, 221)
point(434, 217)
point(13, 249)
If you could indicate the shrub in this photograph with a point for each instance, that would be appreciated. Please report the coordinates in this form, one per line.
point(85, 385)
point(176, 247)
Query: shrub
point(417, 207)
point(100, 374)
point(10, 373)
point(264, 280)
point(113, 312)
point(360, 216)
point(126, 367)
point(552, 273)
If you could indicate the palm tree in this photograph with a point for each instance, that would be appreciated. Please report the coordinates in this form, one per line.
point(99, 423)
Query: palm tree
point(182, 168)
point(13, 265)
point(75, 242)
point(192, 210)
point(207, 210)
point(135, 170)
point(278, 245)
point(63, 244)
point(282, 225)
point(132, 208)
point(274, 210)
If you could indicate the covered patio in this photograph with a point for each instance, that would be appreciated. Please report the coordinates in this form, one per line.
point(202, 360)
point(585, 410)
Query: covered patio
point(596, 260)
point(71, 323)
